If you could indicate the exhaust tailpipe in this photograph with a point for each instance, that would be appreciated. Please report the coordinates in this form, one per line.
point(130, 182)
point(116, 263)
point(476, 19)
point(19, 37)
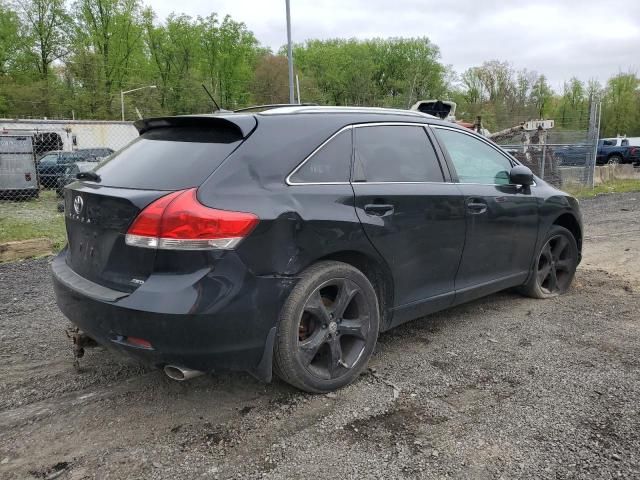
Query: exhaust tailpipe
point(181, 374)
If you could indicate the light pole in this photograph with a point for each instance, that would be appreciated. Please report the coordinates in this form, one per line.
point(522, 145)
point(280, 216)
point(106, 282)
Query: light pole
point(292, 98)
point(122, 93)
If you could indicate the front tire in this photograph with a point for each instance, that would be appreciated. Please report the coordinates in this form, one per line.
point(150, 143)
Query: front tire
point(555, 265)
point(327, 329)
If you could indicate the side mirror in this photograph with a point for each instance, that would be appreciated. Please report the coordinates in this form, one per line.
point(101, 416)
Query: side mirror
point(521, 175)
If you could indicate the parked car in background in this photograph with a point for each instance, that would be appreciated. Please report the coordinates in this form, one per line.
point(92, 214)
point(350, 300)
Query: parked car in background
point(18, 173)
point(53, 164)
point(69, 175)
point(617, 151)
point(292, 237)
point(610, 151)
point(97, 153)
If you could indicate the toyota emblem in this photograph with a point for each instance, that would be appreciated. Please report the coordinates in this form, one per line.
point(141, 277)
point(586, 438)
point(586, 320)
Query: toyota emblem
point(78, 203)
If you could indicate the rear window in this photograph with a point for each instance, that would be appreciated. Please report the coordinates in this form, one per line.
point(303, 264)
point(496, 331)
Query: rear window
point(170, 158)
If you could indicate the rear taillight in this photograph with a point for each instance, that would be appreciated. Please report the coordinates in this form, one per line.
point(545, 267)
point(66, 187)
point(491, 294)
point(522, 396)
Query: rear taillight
point(179, 222)
point(633, 151)
point(27, 177)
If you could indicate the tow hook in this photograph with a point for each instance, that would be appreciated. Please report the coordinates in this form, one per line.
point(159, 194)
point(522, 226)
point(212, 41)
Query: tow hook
point(80, 341)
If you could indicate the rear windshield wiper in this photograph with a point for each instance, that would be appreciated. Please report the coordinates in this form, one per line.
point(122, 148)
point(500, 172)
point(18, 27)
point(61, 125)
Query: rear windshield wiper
point(88, 176)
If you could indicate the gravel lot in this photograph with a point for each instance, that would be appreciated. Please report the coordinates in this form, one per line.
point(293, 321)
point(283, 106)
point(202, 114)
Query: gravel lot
point(504, 387)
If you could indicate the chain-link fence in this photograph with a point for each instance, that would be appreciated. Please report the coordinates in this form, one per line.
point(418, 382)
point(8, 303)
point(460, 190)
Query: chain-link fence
point(37, 159)
point(563, 152)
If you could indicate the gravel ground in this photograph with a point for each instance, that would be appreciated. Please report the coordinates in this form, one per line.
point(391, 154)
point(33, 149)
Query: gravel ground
point(504, 387)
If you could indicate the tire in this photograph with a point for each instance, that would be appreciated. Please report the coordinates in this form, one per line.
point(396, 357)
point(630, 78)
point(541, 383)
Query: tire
point(323, 342)
point(614, 160)
point(555, 265)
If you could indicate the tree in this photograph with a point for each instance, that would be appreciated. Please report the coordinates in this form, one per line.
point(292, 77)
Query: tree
point(380, 72)
point(271, 80)
point(113, 30)
point(47, 25)
point(541, 96)
point(9, 38)
point(621, 105)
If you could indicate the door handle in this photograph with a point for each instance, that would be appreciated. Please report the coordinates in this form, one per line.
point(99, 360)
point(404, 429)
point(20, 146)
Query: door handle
point(378, 209)
point(476, 207)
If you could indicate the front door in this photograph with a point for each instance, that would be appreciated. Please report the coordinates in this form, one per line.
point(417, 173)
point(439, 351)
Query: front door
point(502, 219)
point(412, 216)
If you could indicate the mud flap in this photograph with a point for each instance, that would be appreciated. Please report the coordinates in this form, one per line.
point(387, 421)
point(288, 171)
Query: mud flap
point(264, 370)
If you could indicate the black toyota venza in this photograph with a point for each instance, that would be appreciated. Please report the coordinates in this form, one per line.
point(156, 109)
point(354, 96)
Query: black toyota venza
point(287, 240)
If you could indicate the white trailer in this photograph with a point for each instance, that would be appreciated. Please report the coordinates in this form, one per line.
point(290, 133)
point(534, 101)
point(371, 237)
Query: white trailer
point(18, 173)
point(73, 134)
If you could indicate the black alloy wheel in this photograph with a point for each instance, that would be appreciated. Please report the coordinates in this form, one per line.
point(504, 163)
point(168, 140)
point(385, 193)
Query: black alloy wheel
point(328, 328)
point(333, 328)
point(555, 265)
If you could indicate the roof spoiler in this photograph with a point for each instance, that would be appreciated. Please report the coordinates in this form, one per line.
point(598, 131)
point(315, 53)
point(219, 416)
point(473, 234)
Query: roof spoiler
point(243, 124)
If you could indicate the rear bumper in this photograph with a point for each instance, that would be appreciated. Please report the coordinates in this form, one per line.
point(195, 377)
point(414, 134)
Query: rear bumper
point(206, 320)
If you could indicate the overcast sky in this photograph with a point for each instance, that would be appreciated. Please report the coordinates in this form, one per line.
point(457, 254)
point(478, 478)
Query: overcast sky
point(561, 38)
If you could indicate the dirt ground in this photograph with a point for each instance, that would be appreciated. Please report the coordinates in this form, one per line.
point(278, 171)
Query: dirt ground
point(504, 387)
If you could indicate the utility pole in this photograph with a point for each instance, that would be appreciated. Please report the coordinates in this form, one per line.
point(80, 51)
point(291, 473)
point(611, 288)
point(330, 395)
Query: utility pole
point(292, 98)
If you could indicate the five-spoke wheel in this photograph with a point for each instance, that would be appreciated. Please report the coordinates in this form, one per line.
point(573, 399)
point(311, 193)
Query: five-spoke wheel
point(555, 266)
point(328, 328)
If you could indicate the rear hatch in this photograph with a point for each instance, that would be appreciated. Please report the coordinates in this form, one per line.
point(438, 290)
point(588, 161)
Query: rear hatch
point(171, 154)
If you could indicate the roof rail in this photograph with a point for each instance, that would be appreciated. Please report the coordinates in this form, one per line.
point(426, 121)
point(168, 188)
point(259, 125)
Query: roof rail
point(274, 105)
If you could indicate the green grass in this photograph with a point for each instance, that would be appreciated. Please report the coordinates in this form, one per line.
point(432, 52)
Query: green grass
point(37, 218)
point(616, 186)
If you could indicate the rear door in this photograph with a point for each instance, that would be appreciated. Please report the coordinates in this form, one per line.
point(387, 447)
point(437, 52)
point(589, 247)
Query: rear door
point(99, 213)
point(17, 164)
point(411, 212)
point(502, 219)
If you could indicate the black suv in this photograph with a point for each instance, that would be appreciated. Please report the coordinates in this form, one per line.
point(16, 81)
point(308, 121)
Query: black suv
point(292, 237)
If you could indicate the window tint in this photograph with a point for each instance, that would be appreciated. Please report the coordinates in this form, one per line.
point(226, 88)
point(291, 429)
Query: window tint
point(48, 160)
point(474, 160)
point(395, 153)
point(332, 163)
point(609, 143)
point(70, 158)
point(169, 158)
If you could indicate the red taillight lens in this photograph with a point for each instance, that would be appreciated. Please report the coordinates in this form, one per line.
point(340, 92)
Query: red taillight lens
point(179, 222)
point(138, 342)
point(27, 177)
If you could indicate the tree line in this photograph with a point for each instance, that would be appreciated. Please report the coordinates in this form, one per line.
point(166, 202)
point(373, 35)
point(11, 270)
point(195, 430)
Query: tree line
point(62, 59)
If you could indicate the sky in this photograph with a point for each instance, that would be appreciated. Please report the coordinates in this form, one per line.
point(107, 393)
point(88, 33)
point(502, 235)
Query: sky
point(560, 38)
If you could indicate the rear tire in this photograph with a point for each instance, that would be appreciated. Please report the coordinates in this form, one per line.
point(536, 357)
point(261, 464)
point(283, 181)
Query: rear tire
point(328, 328)
point(614, 160)
point(555, 265)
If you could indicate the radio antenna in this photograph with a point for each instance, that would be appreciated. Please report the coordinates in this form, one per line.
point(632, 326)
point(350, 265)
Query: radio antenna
point(211, 97)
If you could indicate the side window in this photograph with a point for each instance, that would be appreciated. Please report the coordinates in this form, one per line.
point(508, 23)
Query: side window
point(332, 163)
point(474, 160)
point(395, 153)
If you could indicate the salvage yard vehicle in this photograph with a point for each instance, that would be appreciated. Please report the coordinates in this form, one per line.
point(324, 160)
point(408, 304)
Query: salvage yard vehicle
point(69, 175)
point(290, 238)
point(18, 173)
point(52, 165)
